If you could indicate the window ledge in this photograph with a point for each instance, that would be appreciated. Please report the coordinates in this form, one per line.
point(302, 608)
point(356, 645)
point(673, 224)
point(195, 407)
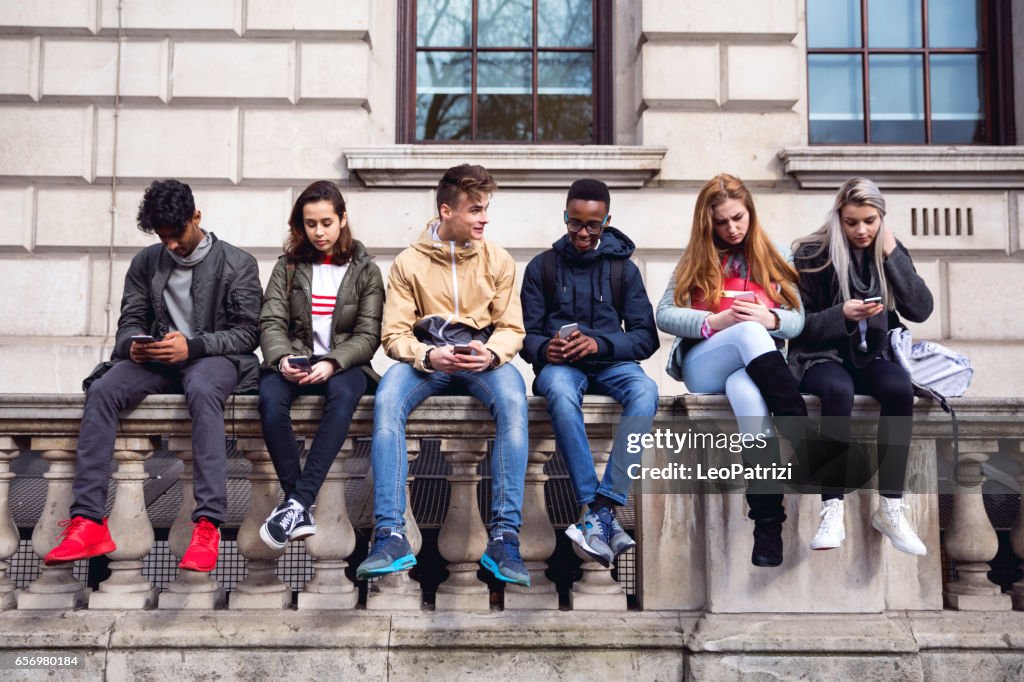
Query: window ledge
point(955, 167)
point(511, 165)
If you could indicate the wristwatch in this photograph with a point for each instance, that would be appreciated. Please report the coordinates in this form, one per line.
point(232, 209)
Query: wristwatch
point(426, 360)
point(495, 360)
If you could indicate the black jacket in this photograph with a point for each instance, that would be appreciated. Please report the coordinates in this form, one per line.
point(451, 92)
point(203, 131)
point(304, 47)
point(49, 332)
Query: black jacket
point(583, 294)
point(827, 334)
point(226, 299)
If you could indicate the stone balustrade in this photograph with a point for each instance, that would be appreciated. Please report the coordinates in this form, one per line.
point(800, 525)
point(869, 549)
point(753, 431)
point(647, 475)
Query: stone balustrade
point(693, 551)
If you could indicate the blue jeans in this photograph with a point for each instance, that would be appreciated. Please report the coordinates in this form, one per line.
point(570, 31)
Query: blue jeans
point(501, 390)
point(564, 386)
point(341, 392)
point(718, 365)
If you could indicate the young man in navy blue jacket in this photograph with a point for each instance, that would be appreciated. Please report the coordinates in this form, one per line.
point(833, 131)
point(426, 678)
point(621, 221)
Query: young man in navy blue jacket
point(587, 280)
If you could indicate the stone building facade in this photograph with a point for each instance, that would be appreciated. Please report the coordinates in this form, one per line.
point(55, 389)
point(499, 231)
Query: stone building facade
point(249, 100)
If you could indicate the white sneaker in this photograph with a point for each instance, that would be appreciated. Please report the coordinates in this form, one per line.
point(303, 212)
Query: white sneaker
point(832, 530)
point(888, 519)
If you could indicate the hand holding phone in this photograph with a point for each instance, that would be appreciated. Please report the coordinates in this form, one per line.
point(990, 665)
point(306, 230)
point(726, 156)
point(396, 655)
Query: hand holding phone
point(143, 339)
point(462, 349)
point(873, 299)
point(301, 364)
point(566, 330)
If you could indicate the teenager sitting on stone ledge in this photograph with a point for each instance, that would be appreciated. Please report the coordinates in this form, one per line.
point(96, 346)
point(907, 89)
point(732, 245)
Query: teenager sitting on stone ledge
point(730, 338)
point(576, 298)
point(188, 323)
point(854, 278)
point(319, 329)
point(453, 321)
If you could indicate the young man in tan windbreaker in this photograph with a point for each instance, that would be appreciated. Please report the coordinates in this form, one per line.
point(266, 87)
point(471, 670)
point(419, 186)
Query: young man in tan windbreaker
point(452, 318)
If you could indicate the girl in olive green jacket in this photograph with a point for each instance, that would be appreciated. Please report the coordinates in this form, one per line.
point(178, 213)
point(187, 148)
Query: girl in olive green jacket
point(319, 329)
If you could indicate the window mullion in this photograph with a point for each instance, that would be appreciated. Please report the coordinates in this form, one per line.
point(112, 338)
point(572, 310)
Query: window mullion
point(866, 76)
point(535, 109)
point(927, 73)
point(473, 64)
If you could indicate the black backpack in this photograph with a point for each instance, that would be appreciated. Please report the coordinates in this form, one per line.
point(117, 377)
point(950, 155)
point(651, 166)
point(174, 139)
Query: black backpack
point(549, 264)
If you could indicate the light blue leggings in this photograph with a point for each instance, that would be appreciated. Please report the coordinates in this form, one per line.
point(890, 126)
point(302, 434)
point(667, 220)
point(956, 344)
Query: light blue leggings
point(717, 365)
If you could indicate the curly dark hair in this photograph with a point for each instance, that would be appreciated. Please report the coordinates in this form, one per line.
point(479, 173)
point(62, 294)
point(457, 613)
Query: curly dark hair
point(297, 247)
point(166, 203)
point(473, 181)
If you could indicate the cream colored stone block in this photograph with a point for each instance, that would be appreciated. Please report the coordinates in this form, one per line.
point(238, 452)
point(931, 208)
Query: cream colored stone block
point(16, 217)
point(242, 69)
point(64, 14)
point(315, 16)
point(703, 144)
point(69, 217)
point(20, 74)
point(185, 15)
point(787, 216)
point(1020, 221)
point(335, 71)
point(390, 220)
point(45, 296)
point(997, 373)
point(680, 75)
point(299, 145)
point(88, 68)
point(160, 143)
point(53, 141)
point(931, 329)
point(246, 217)
point(987, 212)
point(764, 75)
point(654, 219)
point(981, 299)
point(728, 17)
point(100, 270)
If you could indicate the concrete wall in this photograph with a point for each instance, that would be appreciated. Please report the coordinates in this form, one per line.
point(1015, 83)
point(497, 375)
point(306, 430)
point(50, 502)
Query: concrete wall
point(250, 101)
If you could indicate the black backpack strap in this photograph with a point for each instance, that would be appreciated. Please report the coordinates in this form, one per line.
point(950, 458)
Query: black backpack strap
point(548, 265)
point(924, 391)
point(618, 276)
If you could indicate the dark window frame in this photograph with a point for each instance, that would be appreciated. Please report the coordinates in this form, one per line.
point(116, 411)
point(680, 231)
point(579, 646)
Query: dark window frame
point(997, 58)
point(603, 77)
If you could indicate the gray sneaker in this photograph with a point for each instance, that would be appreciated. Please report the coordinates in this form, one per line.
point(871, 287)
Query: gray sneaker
point(620, 540)
point(592, 535)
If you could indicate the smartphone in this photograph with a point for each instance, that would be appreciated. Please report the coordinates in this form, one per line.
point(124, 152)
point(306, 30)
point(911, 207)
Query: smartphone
point(746, 296)
point(873, 299)
point(301, 364)
point(566, 329)
point(144, 338)
point(462, 349)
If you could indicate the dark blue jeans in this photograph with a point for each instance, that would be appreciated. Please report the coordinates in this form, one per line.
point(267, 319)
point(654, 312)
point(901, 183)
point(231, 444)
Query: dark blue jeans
point(341, 392)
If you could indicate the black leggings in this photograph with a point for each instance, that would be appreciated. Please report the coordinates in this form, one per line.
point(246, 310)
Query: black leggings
point(888, 383)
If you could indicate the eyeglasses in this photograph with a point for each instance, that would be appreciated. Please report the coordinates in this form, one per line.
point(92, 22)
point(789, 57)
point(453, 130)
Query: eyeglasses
point(592, 228)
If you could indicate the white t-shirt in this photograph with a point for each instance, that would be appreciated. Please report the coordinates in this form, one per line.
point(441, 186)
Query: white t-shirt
point(326, 282)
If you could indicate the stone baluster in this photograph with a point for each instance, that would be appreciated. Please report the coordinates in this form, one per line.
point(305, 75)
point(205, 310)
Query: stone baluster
point(56, 587)
point(463, 538)
point(1017, 534)
point(261, 589)
point(536, 537)
point(191, 589)
point(398, 591)
point(330, 588)
point(127, 588)
point(970, 539)
point(597, 590)
point(9, 538)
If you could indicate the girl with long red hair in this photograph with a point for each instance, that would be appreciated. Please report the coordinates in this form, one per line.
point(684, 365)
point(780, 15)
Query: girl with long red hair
point(732, 302)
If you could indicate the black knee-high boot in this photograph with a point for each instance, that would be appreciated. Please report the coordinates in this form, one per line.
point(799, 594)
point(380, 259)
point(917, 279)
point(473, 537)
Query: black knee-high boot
point(777, 385)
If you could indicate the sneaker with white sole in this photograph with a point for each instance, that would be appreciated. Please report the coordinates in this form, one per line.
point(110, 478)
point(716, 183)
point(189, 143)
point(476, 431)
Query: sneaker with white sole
point(593, 536)
point(889, 520)
point(276, 530)
point(832, 531)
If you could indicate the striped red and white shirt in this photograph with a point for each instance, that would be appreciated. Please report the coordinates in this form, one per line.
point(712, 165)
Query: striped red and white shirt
point(326, 281)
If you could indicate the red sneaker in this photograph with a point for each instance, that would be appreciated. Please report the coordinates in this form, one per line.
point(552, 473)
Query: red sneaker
point(202, 552)
point(82, 539)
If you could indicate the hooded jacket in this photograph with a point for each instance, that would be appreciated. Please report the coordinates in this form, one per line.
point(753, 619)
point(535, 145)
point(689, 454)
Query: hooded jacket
point(583, 294)
point(286, 321)
point(443, 293)
point(226, 298)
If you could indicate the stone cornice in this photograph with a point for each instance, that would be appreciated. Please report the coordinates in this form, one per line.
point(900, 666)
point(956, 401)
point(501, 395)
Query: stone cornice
point(934, 167)
point(511, 165)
